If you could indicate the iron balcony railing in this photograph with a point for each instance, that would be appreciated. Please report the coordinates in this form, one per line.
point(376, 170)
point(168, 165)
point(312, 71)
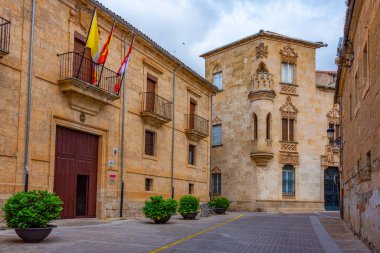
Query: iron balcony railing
point(5, 28)
point(197, 123)
point(155, 104)
point(74, 65)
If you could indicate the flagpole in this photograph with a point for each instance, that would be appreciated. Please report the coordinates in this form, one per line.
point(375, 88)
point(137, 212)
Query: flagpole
point(84, 49)
point(122, 135)
point(129, 57)
point(101, 72)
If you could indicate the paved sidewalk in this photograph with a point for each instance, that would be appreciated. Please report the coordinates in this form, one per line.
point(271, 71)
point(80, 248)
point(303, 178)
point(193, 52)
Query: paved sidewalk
point(253, 232)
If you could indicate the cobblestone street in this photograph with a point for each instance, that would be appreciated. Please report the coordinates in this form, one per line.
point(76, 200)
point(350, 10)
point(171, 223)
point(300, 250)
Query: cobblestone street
point(233, 232)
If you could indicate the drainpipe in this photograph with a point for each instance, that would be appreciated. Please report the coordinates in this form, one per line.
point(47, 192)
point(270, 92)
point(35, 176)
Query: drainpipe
point(173, 130)
point(341, 158)
point(211, 115)
point(122, 138)
point(27, 132)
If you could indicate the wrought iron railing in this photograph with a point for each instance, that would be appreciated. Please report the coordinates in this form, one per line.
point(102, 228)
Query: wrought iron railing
point(158, 105)
point(74, 65)
point(197, 123)
point(5, 28)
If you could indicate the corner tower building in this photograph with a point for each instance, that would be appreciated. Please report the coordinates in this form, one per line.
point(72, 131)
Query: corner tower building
point(269, 123)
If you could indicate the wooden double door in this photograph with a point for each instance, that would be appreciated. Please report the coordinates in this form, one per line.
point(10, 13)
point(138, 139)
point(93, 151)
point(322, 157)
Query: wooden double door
point(76, 163)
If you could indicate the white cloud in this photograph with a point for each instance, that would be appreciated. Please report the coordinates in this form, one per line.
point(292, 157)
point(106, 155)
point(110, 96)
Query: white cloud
point(206, 24)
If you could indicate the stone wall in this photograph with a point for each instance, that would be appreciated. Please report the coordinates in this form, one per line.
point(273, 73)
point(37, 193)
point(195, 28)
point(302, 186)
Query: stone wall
point(358, 90)
point(55, 27)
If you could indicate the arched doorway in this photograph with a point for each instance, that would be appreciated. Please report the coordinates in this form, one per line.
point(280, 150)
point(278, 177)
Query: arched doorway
point(332, 186)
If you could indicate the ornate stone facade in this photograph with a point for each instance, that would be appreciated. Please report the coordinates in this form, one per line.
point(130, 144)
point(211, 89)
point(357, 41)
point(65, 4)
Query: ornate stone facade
point(254, 154)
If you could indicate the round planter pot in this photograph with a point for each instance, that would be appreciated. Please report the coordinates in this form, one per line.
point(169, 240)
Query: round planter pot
point(189, 216)
point(162, 220)
point(33, 234)
point(220, 210)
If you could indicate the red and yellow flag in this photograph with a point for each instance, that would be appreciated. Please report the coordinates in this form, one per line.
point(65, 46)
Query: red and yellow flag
point(104, 53)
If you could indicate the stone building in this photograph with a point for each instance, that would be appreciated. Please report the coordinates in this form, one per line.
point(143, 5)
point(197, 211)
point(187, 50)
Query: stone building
point(269, 123)
point(76, 127)
point(358, 91)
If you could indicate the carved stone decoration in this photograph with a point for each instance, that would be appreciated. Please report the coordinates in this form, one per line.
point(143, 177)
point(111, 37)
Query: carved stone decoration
point(217, 68)
point(262, 84)
point(333, 115)
point(288, 89)
point(288, 147)
point(215, 170)
point(84, 16)
point(288, 110)
point(331, 157)
point(288, 158)
point(260, 153)
point(288, 55)
point(216, 121)
point(261, 51)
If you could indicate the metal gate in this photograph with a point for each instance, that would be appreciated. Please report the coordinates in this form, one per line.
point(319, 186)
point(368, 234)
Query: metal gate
point(332, 189)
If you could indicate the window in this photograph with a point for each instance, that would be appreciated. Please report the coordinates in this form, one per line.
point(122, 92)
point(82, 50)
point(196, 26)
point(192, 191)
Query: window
point(269, 118)
point(216, 182)
point(287, 73)
point(218, 80)
point(357, 89)
point(288, 180)
point(191, 154)
point(217, 135)
point(255, 130)
point(149, 142)
point(148, 184)
point(191, 188)
point(287, 129)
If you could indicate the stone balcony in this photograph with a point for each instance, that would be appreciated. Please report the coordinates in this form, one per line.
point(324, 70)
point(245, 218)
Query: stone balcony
point(5, 27)
point(87, 86)
point(261, 153)
point(155, 110)
point(262, 87)
point(197, 127)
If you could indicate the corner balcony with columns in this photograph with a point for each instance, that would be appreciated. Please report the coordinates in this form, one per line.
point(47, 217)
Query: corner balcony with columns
point(262, 84)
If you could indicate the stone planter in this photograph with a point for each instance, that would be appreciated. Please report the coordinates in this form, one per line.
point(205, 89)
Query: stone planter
point(189, 216)
point(33, 235)
point(220, 210)
point(162, 220)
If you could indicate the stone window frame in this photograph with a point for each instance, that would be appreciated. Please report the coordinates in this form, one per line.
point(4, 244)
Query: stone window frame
point(289, 56)
point(153, 72)
point(217, 70)
point(217, 171)
point(221, 135)
point(293, 169)
point(194, 160)
point(149, 185)
point(268, 134)
point(146, 156)
point(191, 188)
point(255, 126)
point(289, 111)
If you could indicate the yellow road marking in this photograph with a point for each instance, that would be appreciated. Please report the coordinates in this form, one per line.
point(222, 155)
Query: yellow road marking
point(194, 235)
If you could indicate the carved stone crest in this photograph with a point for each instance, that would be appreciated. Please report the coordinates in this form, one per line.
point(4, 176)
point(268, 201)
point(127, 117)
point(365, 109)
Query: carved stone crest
point(84, 15)
point(288, 110)
point(331, 157)
point(216, 121)
point(288, 55)
point(289, 159)
point(261, 51)
point(333, 115)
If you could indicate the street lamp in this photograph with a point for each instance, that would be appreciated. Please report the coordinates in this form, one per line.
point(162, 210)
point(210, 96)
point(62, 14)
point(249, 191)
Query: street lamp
point(330, 134)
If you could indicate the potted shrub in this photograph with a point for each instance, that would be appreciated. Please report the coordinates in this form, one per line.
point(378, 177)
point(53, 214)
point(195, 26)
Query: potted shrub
point(160, 210)
point(188, 207)
point(219, 205)
point(29, 213)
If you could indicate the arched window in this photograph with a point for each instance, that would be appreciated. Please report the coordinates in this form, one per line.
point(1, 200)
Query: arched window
point(255, 130)
point(288, 115)
point(216, 181)
point(269, 123)
point(288, 179)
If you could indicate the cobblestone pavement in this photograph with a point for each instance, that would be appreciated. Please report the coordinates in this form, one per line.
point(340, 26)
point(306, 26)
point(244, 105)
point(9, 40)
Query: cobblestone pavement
point(253, 232)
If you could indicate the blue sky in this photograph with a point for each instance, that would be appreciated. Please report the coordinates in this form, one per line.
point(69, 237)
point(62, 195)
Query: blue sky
point(203, 25)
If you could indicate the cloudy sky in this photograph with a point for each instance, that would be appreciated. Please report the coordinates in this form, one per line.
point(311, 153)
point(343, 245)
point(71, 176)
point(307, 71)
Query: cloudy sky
point(188, 28)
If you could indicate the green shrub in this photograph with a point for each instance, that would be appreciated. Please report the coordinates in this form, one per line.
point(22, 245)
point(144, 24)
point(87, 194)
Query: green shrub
point(188, 204)
point(34, 209)
point(158, 208)
point(219, 202)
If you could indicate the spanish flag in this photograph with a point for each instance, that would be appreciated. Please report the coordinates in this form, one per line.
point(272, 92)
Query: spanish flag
point(104, 53)
point(93, 38)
